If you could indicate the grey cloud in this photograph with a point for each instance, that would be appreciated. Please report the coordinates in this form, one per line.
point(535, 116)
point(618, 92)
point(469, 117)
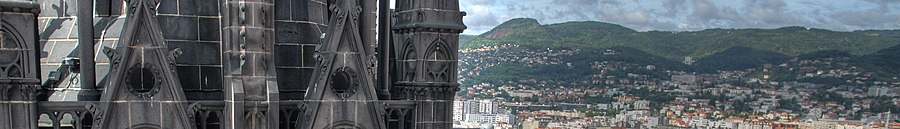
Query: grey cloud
point(481, 2)
point(851, 20)
point(772, 13)
point(884, 1)
point(681, 15)
point(611, 2)
point(673, 7)
point(706, 14)
point(481, 22)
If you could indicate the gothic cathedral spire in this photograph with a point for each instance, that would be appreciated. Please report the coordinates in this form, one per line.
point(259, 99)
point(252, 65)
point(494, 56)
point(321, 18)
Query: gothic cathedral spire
point(426, 44)
point(342, 92)
point(144, 90)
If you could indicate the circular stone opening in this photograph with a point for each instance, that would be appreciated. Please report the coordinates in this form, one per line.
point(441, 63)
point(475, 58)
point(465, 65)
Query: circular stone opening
point(343, 82)
point(141, 80)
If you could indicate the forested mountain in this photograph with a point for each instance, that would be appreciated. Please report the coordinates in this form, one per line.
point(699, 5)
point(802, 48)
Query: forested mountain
point(789, 41)
point(711, 50)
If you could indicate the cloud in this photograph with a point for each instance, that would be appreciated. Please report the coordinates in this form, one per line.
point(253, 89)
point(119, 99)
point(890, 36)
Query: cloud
point(769, 12)
point(705, 14)
point(884, 2)
point(479, 17)
point(480, 2)
point(689, 15)
point(672, 7)
point(852, 20)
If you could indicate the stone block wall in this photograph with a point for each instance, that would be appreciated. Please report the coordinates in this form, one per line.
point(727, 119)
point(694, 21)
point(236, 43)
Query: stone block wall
point(192, 25)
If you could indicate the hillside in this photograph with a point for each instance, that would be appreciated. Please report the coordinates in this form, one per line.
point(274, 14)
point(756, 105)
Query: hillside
point(738, 58)
point(885, 62)
point(789, 41)
point(579, 66)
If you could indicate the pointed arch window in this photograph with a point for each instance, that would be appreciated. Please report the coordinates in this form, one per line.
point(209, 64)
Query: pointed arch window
point(438, 62)
point(11, 52)
point(409, 62)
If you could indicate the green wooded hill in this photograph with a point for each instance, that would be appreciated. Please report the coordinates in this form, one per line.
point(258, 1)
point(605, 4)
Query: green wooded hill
point(768, 45)
point(885, 62)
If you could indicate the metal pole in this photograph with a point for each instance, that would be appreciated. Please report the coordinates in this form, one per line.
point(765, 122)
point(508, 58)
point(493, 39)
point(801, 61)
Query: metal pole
point(86, 43)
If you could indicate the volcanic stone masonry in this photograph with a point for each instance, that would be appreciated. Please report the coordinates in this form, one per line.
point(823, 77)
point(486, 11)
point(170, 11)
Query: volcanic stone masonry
point(228, 64)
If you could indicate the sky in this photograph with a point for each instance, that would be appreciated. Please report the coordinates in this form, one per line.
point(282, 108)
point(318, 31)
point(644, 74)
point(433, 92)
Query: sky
point(689, 15)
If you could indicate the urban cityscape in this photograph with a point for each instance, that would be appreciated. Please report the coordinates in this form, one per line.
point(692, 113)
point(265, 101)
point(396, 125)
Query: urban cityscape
point(644, 96)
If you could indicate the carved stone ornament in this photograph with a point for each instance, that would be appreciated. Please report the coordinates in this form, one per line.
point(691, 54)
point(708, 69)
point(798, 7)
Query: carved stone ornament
point(143, 80)
point(344, 82)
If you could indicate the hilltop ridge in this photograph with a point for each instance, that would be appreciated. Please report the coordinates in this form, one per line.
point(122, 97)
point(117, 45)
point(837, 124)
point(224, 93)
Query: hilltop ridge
point(791, 41)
